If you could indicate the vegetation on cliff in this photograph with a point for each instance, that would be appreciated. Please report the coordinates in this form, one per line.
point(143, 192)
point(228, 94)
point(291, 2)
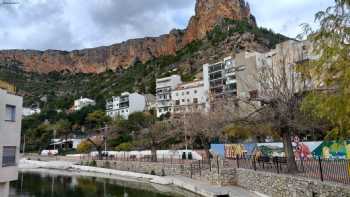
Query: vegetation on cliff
point(57, 90)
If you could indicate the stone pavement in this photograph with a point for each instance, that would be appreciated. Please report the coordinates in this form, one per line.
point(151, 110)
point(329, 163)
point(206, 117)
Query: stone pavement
point(208, 190)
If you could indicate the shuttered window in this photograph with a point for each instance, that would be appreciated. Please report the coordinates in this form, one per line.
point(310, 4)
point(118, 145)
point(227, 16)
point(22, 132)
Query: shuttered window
point(9, 156)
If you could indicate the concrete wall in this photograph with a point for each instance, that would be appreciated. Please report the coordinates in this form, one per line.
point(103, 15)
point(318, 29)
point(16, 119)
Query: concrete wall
point(10, 132)
point(4, 189)
point(137, 103)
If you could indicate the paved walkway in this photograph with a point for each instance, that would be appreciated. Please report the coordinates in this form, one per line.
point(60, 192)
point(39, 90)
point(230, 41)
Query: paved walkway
point(208, 190)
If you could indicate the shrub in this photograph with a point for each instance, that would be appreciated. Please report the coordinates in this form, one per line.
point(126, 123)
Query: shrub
point(93, 163)
point(153, 172)
point(124, 147)
point(84, 147)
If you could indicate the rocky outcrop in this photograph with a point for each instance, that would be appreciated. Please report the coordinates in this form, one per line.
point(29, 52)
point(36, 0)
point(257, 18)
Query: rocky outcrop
point(96, 60)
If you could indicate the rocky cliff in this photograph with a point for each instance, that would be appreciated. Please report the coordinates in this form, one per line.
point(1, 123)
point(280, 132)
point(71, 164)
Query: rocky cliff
point(96, 60)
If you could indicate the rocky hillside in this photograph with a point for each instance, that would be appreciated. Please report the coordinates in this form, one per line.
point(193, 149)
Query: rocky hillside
point(61, 87)
point(97, 60)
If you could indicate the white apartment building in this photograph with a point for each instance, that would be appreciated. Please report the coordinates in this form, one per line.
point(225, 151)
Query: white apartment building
point(164, 89)
point(191, 97)
point(125, 105)
point(10, 132)
point(221, 77)
point(83, 102)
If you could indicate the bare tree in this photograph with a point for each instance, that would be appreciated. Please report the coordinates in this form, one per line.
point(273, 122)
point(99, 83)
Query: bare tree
point(205, 128)
point(279, 93)
point(156, 135)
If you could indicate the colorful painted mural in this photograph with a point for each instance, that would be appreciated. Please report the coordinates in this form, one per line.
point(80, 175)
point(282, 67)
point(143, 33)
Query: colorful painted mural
point(301, 150)
point(333, 150)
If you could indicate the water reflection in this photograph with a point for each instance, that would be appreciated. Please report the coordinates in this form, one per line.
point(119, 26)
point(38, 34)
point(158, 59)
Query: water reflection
point(43, 185)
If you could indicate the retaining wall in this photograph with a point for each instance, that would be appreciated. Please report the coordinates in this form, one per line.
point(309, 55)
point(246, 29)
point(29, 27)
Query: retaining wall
point(271, 184)
point(278, 185)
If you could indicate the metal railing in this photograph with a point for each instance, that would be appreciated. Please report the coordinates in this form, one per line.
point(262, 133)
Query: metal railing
point(335, 170)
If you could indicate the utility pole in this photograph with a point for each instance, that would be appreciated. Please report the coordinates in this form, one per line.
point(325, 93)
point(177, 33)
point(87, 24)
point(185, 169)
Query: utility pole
point(184, 117)
point(24, 144)
point(54, 137)
point(105, 136)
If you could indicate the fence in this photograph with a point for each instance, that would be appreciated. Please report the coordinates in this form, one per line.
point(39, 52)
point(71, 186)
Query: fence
point(337, 170)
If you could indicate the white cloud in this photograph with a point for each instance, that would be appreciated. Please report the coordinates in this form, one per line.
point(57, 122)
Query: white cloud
point(286, 16)
point(75, 24)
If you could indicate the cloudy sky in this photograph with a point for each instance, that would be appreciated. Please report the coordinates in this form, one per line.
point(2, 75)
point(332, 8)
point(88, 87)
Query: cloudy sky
point(76, 24)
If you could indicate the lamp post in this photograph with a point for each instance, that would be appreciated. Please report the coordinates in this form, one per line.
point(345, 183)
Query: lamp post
point(54, 137)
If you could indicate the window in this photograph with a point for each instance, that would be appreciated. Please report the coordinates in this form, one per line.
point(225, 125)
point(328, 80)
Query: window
point(187, 92)
point(177, 94)
point(183, 93)
point(195, 91)
point(177, 102)
point(183, 100)
point(188, 100)
point(10, 113)
point(9, 156)
point(195, 100)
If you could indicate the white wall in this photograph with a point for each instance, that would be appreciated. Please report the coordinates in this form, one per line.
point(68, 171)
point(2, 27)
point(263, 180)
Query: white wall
point(137, 103)
point(164, 83)
point(167, 154)
point(187, 95)
point(4, 189)
point(10, 133)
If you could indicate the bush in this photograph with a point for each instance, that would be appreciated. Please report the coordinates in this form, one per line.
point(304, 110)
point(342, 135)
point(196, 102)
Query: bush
point(125, 147)
point(153, 172)
point(84, 147)
point(93, 163)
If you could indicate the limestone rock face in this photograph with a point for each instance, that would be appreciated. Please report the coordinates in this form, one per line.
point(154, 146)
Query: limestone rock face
point(96, 60)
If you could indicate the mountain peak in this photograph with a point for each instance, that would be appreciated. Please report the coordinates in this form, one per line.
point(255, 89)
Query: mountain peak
point(210, 12)
point(95, 60)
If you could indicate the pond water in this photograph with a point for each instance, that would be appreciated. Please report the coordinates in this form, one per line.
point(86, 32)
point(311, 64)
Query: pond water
point(34, 184)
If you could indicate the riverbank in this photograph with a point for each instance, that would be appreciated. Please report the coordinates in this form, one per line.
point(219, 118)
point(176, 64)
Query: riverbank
point(197, 187)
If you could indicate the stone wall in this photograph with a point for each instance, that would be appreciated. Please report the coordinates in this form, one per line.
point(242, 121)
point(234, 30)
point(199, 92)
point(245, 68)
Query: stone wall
point(271, 184)
point(225, 177)
point(160, 169)
point(277, 185)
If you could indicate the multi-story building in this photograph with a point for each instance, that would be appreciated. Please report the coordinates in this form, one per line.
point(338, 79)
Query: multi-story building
point(254, 69)
point(221, 77)
point(164, 89)
point(238, 76)
point(190, 97)
point(125, 105)
point(83, 102)
point(10, 132)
